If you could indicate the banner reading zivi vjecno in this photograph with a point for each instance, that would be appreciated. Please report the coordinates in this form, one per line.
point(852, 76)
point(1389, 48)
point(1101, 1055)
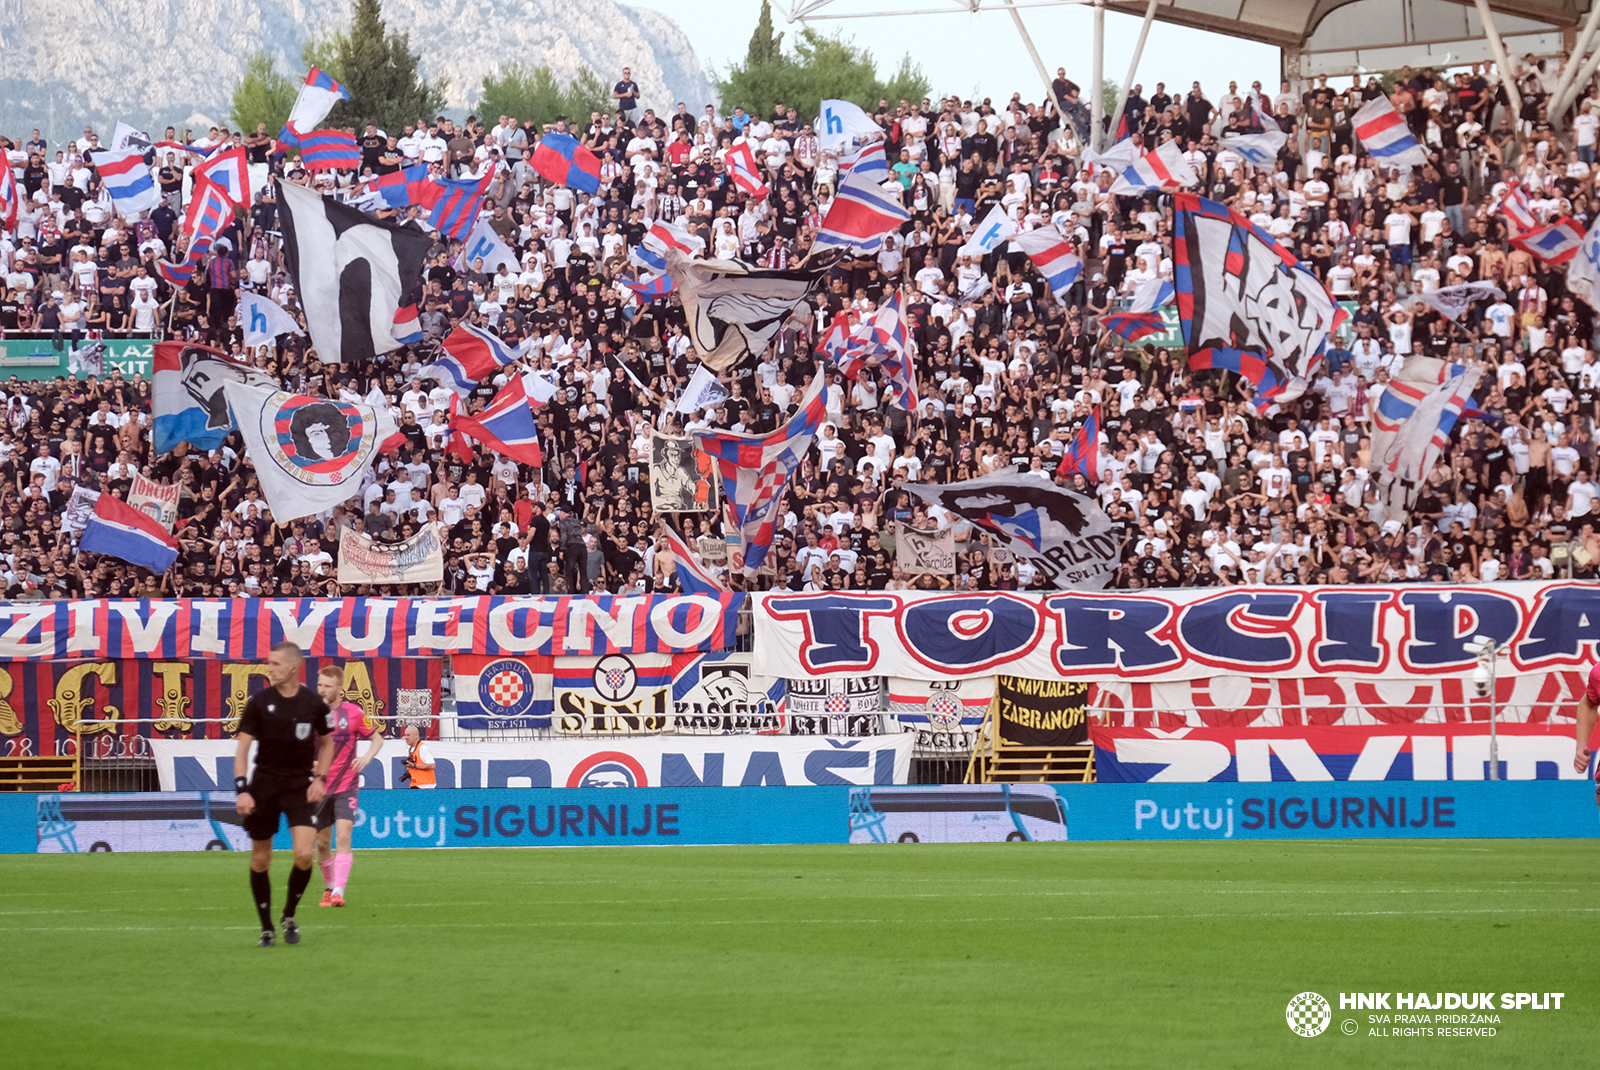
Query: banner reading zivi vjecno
point(1041, 713)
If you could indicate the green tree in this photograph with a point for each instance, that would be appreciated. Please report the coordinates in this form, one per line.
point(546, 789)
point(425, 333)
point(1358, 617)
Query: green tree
point(263, 95)
point(534, 94)
point(379, 69)
point(765, 46)
point(818, 68)
point(1109, 91)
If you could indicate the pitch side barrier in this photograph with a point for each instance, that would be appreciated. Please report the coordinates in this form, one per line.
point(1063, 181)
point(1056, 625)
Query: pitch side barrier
point(465, 817)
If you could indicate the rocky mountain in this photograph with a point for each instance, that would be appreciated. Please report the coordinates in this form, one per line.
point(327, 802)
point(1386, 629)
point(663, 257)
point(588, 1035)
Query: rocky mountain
point(76, 63)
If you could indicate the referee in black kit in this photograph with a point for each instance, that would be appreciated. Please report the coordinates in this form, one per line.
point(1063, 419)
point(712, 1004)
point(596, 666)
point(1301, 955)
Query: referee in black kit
point(293, 726)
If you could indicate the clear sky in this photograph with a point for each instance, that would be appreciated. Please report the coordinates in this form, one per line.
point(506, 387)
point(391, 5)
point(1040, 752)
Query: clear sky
point(982, 55)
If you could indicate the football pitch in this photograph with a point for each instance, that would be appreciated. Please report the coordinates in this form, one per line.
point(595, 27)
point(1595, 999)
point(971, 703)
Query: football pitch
point(1004, 955)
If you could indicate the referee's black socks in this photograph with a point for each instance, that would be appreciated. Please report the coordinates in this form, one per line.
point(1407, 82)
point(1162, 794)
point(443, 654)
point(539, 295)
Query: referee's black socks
point(298, 879)
point(261, 892)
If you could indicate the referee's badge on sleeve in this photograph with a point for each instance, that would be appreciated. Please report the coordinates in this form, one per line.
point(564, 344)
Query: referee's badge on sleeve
point(302, 730)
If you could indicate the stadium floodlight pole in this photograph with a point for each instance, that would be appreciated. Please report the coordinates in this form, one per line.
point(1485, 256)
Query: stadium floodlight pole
point(1133, 68)
point(1097, 105)
point(1580, 48)
point(1508, 77)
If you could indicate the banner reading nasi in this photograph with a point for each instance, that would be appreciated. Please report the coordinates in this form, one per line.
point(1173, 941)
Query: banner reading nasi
point(419, 559)
point(159, 501)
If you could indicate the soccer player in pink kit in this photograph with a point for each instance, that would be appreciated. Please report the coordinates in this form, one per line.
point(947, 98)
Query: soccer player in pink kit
point(1588, 714)
point(350, 727)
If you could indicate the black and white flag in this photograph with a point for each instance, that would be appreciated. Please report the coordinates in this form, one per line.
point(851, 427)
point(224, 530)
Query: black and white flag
point(351, 271)
point(735, 310)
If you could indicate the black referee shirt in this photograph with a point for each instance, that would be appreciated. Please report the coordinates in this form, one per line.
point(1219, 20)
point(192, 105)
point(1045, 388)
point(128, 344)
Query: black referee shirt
point(287, 730)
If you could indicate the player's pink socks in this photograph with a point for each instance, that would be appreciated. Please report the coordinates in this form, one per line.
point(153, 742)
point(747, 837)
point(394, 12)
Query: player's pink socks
point(341, 870)
point(326, 865)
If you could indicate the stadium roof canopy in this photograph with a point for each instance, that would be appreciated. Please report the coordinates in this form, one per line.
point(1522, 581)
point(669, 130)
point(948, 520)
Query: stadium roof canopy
point(1317, 36)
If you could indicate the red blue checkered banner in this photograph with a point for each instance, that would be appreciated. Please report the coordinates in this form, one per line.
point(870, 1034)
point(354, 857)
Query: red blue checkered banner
point(245, 629)
point(117, 705)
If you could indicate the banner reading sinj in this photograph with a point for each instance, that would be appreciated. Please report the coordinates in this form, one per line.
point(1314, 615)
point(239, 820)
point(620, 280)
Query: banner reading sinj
point(1298, 632)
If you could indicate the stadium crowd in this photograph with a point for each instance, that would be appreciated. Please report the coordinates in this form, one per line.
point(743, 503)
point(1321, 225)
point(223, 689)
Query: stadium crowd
point(1204, 491)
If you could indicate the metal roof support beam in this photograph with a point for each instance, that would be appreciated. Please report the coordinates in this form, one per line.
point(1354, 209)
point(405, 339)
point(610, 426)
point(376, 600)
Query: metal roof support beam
point(1508, 74)
point(1038, 63)
point(1579, 49)
point(1577, 86)
point(1133, 66)
point(1097, 101)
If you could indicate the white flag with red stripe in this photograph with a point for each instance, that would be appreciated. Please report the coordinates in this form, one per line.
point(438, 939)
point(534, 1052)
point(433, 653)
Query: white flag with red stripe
point(1164, 168)
point(746, 174)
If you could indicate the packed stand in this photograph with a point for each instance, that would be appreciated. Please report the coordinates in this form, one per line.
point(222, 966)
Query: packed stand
point(1204, 491)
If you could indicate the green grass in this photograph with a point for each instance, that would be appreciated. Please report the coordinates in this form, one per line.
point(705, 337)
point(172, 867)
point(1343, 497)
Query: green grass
point(1007, 956)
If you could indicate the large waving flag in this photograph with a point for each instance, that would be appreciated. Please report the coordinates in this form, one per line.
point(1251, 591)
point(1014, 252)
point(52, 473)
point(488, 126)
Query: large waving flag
point(755, 469)
point(996, 227)
point(1083, 454)
point(456, 212)
point(860, 215)
point(563, 161)
point(882, 336)
point(1133, 325)
point(1411, 426)
point(1151, 294)
point(652, 250)
point(1556, 243)
point(210, 211)
point(1452, 301)
point(734, 310)
point(187, 404)
point(1161, 169)
point(1238, 289)
point(127, 178)
point(692, 576)
point(309, 453)
point(1583, 272)
point(471, 355)
point(408, 185)
point(121, 531)
point(1516, 209)
point(230, 171)
point(1260, 149)
point(647, 290)
point(330, 150)
point(407, 325)
point(1052, 254)
point(507, 426)
point(746, 174)
point(1384, 134)
point(317, 97)
point(263, 319)
point(868, 160)
point(841, 123)
point(8, 198)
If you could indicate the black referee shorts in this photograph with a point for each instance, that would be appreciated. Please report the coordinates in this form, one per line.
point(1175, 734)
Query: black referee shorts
point(279, 797)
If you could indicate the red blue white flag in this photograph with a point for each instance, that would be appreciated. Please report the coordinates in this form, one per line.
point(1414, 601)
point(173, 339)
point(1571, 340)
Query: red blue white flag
point(127, 178)
point(1556, 243)
point(471, 354)
point(316, 99)
point(1052, 254)
point(507, 426)
point(121, 531)
point(746, 174)
point(1385, 136)
point(329, 150)
point(1162, 169)
point(230, 172)
point(860, 215)
point(1083, 455)
point(755, 469)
